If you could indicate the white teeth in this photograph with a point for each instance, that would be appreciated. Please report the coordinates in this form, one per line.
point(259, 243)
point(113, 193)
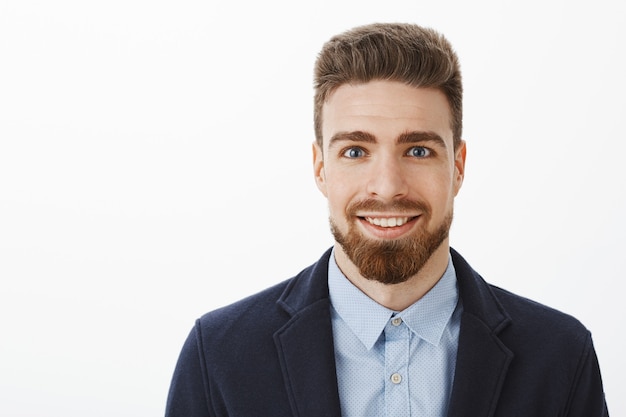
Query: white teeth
point(387, 221)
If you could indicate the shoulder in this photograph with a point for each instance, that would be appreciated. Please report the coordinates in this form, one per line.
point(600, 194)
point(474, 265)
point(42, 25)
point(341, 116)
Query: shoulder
point(260, 309)
point(263, 313)
point(542, 338)
point(500, 309)
point(536, 321)
point(522, 324)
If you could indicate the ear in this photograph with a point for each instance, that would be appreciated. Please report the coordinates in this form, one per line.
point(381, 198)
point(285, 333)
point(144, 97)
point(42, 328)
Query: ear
point(459, 166)
point(318, 168)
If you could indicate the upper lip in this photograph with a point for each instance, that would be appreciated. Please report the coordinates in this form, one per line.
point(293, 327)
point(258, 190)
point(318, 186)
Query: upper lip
point(387, 215)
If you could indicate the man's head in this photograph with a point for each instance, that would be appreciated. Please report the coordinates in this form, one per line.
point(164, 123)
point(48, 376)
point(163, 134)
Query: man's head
point(388, 154)
point(408, 53)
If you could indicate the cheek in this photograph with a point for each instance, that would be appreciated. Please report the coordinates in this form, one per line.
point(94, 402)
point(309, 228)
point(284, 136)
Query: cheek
point(337, 201)
point(339, 195)
point(438, 190)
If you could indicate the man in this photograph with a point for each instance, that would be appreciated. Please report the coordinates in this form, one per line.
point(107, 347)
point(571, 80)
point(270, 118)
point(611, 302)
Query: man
point(391, 320)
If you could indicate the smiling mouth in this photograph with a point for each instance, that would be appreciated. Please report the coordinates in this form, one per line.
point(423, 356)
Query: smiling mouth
point(388, 221)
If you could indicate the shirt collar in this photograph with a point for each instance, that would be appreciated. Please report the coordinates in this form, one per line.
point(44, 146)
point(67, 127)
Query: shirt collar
point(427, 317)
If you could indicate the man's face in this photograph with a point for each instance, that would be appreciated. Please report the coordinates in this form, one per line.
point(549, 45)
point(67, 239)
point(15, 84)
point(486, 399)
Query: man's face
point(390, 173)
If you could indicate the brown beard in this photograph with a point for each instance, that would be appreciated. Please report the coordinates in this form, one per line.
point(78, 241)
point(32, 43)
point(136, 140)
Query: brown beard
point(396, 260)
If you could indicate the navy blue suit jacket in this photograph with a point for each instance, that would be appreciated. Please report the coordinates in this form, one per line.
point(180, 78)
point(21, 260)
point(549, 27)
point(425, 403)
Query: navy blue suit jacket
point(271, 355)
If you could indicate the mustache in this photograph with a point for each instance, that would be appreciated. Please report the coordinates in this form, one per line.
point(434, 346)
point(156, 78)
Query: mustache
point(398, 206)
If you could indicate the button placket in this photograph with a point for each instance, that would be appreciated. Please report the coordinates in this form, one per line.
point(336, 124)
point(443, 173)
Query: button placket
point(397, 339)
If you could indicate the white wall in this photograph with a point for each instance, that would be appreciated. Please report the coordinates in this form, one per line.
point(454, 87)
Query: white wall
point(155, 164)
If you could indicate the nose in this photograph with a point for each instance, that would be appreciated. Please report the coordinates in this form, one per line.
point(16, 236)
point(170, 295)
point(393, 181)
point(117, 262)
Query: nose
point(387, 179)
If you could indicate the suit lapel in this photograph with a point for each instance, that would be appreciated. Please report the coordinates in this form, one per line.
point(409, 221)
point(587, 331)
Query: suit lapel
point(305, 345)
point(482, 363)
point(482, 358)
point(308, 362)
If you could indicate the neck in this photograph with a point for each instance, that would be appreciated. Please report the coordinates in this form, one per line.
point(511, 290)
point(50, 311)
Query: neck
point(397, 297)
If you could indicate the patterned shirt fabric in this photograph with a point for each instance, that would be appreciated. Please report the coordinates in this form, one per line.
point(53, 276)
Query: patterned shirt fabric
point(394, 363)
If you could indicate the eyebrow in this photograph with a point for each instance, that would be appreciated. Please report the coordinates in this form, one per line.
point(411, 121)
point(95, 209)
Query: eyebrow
point(355, 136)
point(404, 138)
point(418, 137)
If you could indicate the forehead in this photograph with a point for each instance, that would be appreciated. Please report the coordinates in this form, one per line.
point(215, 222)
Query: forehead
point(386, 109)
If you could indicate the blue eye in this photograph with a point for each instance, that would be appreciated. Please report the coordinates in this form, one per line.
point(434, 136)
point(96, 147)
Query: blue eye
point(419, 152)
point(354, 153)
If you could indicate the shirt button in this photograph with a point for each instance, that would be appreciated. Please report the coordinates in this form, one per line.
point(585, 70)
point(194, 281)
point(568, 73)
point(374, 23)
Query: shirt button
point(396, 378)
point(396, 321)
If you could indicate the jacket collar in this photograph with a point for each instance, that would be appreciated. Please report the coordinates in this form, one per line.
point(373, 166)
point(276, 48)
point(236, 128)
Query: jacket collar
point(308, 287)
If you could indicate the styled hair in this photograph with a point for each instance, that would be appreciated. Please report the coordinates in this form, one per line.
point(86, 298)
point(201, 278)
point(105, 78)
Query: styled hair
point(408, 53)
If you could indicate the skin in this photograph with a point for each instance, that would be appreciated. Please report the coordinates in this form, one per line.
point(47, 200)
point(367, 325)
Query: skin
point(363, 159)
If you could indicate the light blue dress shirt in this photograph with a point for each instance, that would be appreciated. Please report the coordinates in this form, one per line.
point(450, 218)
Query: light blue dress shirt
point(394, 363)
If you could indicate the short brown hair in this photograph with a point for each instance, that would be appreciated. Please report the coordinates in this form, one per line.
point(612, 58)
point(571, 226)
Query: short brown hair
point(417, 56)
